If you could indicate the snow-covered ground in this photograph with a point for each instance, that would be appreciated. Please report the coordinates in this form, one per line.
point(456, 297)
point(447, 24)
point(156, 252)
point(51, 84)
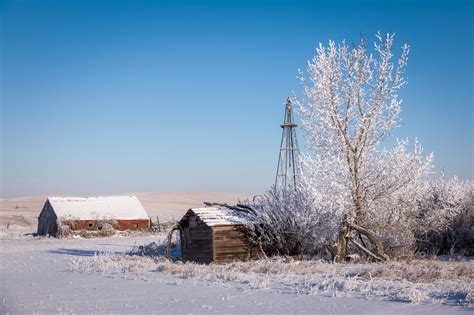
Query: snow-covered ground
point(41, 275)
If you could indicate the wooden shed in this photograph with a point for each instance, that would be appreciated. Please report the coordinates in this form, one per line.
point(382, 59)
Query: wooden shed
point(214, 234)
point(87, 213)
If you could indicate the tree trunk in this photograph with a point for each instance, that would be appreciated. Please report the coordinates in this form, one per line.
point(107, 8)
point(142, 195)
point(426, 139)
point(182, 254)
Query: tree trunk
point(379, 250)
point(359, 202)
point(344, 235)
point(361, 216)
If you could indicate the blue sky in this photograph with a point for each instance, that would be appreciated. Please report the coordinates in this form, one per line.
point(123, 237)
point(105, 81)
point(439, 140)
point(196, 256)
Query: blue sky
point(126, 96)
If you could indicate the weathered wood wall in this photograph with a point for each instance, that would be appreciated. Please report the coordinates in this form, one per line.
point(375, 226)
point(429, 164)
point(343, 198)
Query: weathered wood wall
point(122, 225)
point(196, 240)
point(229, 244)
point(47, 221)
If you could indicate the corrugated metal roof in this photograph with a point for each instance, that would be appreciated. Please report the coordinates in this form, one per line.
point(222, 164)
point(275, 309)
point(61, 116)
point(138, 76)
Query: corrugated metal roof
point(214, 216)
point(93, 208)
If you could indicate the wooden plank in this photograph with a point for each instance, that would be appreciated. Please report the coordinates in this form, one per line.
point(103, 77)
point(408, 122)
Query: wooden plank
point(228, 233)
point(199, 250)
point(231, 251)
point(198, 256)
point(230, 259)
point(200, 241)
point(203, 242)
point(197, 232)
point(200, 244)
point(219, 233)
point(228, 237)
point(230, 246)
point(199, 247)
point(191, 233)
point(229, 242)
point(225, 229)
point(224, 236)
point(204, 239)
point(227, 255)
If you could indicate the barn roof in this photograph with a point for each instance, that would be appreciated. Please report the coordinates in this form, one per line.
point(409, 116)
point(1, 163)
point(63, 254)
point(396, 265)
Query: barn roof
point(214, 216)
point(92, 208)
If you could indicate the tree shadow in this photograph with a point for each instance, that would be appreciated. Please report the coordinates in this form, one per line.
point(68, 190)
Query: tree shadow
point(79, 252)
point(154, 249)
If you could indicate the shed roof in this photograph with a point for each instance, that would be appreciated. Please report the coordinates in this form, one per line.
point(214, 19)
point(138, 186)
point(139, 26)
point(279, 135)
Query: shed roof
point(215, 216)
point(93, 208)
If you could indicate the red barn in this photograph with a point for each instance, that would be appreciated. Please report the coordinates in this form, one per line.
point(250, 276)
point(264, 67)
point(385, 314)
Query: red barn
point(79, 213)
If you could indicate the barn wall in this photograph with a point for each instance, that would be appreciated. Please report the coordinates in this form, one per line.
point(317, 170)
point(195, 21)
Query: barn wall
point(196, 240)
point(229, 244)
point(47, 221)
point(133, 224)
point(121, 225)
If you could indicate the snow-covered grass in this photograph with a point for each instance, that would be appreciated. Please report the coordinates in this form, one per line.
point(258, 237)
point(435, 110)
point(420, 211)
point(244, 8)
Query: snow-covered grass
point(98, 275)
point(416, 281)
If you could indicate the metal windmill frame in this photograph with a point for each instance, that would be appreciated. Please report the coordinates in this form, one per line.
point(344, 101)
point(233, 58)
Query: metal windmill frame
point(289, 165)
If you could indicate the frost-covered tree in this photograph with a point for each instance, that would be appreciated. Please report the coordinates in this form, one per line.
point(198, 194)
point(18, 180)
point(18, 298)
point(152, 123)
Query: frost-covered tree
point(350, 105)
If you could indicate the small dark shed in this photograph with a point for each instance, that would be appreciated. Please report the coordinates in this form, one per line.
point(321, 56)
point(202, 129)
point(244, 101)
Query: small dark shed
point(213, 235)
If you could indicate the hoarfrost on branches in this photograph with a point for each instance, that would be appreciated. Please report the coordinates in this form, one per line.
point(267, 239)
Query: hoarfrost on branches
point(349, 106)
point(286, 224)
point(357, 196)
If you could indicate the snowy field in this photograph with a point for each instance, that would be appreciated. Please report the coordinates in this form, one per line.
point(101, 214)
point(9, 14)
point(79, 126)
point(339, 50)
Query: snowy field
point(23, 212)
point(41, 275)
point(50, 276)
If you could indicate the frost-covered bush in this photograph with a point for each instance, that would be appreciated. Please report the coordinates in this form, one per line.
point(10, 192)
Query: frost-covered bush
point(102, 227)
point(64, 230)
point(459, 237)
point(106, 228)
point(445, 221)
point(287, 224)
point(429, 216)
point(66, 227)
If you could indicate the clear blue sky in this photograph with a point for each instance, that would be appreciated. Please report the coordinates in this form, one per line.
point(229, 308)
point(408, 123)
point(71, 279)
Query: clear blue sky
point(125, 96)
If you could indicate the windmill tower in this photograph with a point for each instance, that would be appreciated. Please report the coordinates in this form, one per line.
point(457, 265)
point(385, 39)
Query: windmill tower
point(289, 167)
